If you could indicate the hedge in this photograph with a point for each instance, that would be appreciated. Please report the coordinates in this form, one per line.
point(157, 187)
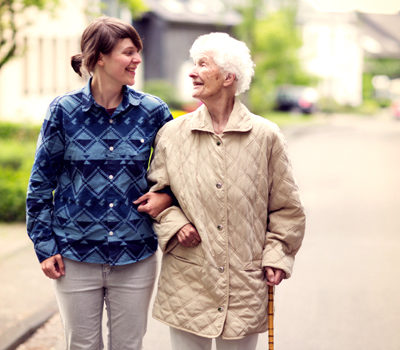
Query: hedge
point(17, 144)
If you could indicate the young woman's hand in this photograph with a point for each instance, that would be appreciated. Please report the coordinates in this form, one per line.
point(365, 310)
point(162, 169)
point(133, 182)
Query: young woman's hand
point(153, 203)
point(53, 267)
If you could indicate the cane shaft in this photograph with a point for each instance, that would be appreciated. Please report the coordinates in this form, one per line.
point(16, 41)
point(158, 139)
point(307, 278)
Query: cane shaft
point(270, 318)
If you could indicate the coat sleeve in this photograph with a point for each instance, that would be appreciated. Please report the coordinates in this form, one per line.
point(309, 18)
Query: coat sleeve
point(43, 181)
point(172, 219)
point(286, 217)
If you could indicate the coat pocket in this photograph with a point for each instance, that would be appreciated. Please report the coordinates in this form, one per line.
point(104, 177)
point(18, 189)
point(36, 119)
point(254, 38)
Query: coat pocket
point(192, 255)
point(255, 265)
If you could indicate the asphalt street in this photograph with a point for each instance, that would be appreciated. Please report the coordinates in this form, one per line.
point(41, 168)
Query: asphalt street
point(344, 293)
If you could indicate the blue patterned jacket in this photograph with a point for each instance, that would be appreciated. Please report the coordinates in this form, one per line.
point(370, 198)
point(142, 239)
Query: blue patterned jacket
point(89, 167)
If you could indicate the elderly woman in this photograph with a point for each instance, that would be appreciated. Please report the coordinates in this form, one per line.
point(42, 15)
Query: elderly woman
point(239, 222)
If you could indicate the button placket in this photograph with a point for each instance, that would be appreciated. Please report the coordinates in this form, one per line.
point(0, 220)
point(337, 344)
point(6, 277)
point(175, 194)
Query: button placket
point(221, 196)
point(110, 154)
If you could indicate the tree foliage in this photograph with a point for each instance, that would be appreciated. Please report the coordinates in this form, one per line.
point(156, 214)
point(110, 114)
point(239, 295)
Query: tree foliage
point(12, 19)
point(274, 41)
point(136, 7)
point(383, 66)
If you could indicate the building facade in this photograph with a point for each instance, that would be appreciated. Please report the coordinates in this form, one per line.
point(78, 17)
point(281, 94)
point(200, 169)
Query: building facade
point(41, 69)
point(335, 47)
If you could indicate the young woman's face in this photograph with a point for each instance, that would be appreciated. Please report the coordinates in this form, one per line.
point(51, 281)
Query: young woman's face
point(121, 64)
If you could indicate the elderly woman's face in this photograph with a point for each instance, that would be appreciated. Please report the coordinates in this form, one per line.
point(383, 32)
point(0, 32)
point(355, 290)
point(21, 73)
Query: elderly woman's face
point(207, 78)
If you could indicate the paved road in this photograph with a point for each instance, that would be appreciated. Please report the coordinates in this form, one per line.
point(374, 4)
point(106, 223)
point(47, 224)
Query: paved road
point(344, 293)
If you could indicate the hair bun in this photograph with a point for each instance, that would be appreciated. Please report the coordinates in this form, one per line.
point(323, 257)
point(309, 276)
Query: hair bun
point(76, 63)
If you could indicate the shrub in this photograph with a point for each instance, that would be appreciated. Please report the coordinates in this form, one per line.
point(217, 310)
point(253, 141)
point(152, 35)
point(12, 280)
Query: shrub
point(163, 90)
point(19, 132)
point(13, 186)
point(177, 113)
point(18, 143)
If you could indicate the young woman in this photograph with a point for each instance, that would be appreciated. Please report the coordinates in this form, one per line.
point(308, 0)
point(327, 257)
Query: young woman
point(90, 165)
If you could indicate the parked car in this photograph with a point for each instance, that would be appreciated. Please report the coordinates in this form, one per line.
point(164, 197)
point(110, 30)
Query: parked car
point(296, 98)
point(396, 109)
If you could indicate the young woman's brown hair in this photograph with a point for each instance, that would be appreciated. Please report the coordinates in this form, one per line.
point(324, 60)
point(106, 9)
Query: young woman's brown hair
point(100, 37)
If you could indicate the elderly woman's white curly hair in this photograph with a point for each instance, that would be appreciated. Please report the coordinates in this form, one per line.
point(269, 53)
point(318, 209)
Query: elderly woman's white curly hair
point(231, 55)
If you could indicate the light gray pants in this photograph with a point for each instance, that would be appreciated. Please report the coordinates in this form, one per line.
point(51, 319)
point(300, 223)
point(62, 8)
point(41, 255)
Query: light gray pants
point(126, 291)
point(181, 340)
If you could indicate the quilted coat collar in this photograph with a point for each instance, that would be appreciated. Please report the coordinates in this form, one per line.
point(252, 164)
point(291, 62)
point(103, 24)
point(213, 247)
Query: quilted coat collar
point(239, 120)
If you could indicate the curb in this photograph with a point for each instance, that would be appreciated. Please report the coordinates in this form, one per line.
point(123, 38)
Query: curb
point(18, 334)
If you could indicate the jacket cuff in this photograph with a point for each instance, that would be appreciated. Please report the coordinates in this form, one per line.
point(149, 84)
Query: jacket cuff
point(46, 249)
point(276, 258)
point(167, 224)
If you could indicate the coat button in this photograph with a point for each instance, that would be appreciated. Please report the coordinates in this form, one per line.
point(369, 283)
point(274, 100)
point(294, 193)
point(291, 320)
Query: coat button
point(218, 143)
point(221, 309)
point(220, 227)
point(221, 269)
point(219, 185)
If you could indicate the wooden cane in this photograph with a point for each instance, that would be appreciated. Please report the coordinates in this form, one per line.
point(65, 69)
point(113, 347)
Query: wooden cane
point(270, 317)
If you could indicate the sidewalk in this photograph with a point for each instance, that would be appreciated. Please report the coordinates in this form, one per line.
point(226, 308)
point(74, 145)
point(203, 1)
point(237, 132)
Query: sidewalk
point(26, 295)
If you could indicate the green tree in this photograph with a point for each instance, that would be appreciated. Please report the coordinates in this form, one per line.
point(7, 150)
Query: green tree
point(136, 7)
point(383, 66)
point(274, 41)
point(389, 67)
point(12, 19)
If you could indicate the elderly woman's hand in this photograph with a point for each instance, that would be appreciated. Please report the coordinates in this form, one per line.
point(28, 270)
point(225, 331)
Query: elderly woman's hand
point(274, 276)
point(188, 236)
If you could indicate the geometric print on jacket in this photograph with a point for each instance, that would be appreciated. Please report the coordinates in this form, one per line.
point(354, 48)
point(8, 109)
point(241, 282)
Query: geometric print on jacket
point(89, 167)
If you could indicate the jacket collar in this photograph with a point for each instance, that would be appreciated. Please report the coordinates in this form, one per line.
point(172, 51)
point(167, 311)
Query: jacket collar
point(239, 120)
point(87, 97)
point(129, 97)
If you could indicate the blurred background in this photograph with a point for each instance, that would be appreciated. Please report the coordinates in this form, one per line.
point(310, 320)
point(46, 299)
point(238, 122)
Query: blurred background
point(327, 72)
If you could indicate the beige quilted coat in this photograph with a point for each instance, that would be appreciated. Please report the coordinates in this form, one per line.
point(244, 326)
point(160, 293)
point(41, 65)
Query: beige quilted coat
point(237, 189)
